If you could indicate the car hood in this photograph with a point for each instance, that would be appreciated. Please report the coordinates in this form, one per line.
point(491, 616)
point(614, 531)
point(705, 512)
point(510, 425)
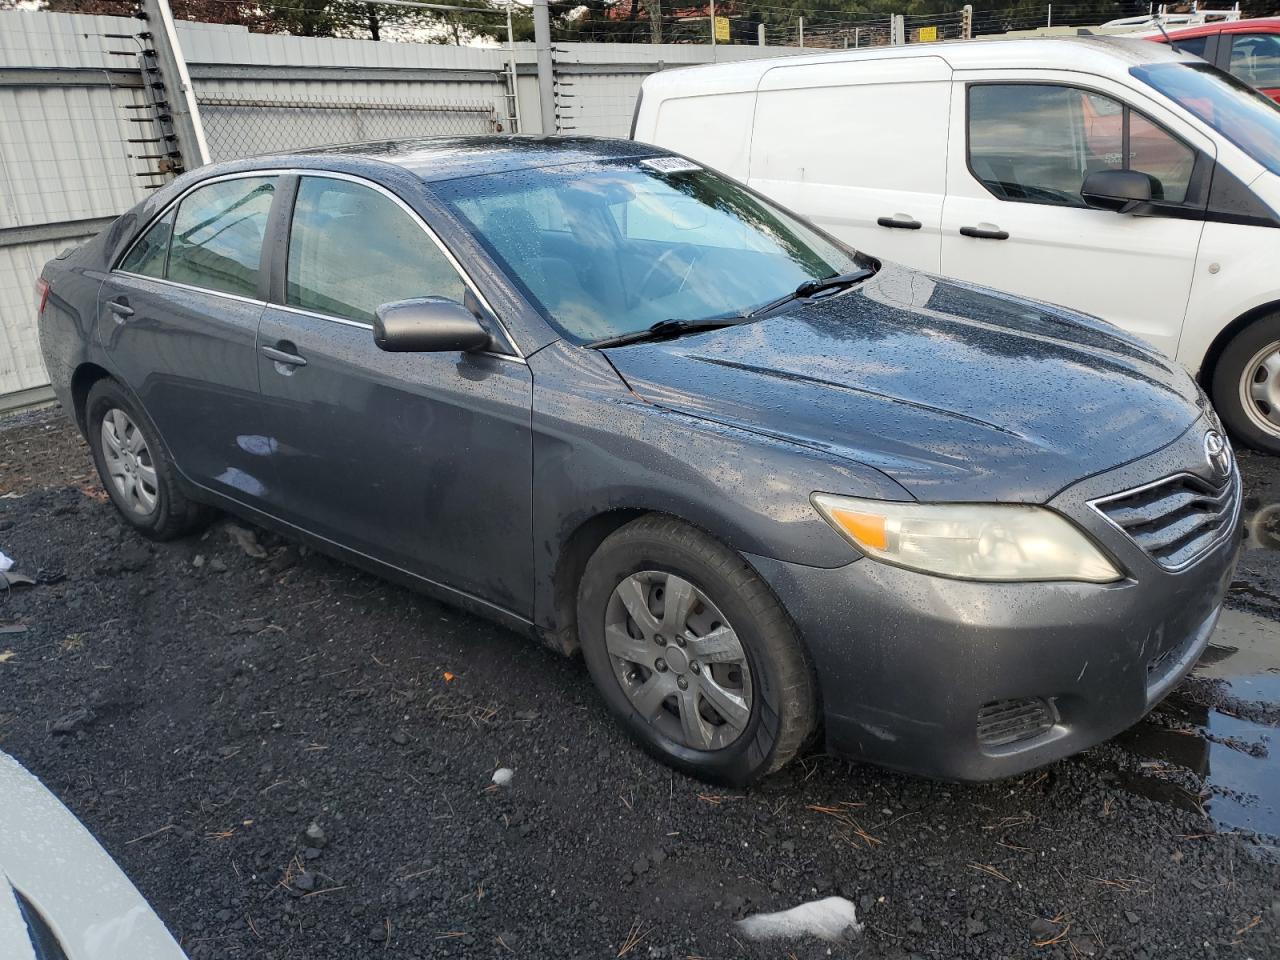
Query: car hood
point(56, 879)
point(954, 391)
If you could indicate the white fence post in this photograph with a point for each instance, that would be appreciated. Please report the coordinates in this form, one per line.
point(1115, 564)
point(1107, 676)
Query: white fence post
point(897, 30)
point(546, 69)
point(179, 96)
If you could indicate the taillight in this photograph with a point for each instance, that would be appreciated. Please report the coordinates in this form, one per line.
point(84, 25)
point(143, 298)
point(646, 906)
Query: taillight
point(42, 295)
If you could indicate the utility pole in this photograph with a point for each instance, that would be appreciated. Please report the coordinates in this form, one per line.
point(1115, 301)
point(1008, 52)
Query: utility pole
point(179, 97)
point(966, 22)
point(546, 69)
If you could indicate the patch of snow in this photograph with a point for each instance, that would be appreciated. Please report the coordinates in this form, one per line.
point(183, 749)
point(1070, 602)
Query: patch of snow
point(826, 919)
point(502, 776)
point(6, 563)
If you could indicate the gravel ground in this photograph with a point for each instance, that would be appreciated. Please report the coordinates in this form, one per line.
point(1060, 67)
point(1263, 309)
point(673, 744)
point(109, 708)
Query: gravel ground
point(293, 759)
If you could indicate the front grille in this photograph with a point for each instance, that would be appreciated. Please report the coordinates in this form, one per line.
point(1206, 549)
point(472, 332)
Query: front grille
point(1008, 721)
point(1176, 520)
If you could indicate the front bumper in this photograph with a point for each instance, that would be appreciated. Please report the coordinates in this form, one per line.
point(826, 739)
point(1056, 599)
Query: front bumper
point(907, 662)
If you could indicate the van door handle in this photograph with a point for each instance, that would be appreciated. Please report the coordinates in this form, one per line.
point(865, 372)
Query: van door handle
point(900, 222)
point(284, 356)
point(983, 234)
point(120, 308)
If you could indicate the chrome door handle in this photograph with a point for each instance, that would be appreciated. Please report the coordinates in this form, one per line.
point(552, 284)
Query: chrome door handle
point(895, 223)
point(981, 233)
point(119, 308)
point(283, 356)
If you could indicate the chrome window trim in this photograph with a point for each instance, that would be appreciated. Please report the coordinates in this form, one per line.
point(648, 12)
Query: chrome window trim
point(516, 354)
point(1234, 485)
point(191, 286)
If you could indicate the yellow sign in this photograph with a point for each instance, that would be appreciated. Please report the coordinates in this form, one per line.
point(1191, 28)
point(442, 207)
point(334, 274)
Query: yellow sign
point(928, 34)
point(722, 29)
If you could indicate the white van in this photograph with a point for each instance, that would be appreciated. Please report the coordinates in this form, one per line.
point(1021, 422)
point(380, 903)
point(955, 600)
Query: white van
point(1114, 176)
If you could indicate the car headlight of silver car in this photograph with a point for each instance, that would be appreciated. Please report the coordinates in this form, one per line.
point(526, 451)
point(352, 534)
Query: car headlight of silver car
point(997, 541)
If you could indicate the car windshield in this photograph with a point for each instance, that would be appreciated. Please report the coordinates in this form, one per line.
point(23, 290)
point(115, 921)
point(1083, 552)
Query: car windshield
point(612, 247)
point(1237, 111)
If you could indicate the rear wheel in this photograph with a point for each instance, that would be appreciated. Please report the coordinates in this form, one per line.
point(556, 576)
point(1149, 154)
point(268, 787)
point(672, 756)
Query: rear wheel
point(693, 652)
point(134, 468)
point(1246, 385)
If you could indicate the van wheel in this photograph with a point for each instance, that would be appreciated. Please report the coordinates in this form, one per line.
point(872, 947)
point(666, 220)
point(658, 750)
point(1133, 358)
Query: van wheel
point(134, 468)
point(693, 653)
point(1246, 385)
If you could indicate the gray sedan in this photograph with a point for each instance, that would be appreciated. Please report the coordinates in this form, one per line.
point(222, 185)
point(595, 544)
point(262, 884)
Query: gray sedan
point(770, 487)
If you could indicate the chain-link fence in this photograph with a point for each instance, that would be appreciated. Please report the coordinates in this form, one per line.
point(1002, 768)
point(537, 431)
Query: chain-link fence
point(238, 127)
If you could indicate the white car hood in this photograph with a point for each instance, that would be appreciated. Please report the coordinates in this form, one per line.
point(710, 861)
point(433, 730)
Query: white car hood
point(50, 859)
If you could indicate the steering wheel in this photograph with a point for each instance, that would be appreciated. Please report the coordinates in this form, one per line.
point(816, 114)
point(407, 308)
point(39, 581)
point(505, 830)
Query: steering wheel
point(683, 251)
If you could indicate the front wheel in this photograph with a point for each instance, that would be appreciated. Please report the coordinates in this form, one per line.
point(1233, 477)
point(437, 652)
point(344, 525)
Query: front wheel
point(1246, 385)
point(693, 653)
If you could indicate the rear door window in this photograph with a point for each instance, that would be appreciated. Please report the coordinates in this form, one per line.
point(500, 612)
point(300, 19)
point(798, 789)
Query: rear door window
point(217, 236)
point(352, 249)
point(1036, 143)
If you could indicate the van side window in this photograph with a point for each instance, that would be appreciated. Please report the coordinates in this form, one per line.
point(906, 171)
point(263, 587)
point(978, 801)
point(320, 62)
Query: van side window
point(1193, 45)
point(352, 249)
point(1036, 143)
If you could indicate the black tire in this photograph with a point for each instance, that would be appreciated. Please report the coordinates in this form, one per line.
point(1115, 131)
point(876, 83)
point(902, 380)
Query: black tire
point(784, 695)
point(1236, 367)
point(173, 514)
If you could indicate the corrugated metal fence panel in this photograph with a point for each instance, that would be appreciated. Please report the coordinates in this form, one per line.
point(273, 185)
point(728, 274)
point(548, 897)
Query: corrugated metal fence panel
point(63, 154)
point(21, 367)
point(33, 39)
point(218, 43)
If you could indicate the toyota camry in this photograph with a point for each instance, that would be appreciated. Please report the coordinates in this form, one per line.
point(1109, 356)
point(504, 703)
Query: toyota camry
point(770, 487)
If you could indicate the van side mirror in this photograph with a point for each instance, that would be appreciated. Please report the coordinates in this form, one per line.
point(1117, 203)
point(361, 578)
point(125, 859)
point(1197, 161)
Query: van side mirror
point(427, 325)
point(1120, 190)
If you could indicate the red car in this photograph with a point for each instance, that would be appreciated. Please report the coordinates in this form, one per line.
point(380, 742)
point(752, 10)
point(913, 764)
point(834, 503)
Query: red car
point(1248, 49)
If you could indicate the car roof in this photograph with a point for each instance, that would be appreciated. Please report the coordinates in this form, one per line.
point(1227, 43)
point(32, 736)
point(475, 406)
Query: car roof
point(434, 159)
point(1096, 54)
point(1255, 25)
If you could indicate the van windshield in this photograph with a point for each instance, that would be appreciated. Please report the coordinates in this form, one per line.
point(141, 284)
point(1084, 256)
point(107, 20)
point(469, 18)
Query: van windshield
point(608, 248)
point(1237, 111)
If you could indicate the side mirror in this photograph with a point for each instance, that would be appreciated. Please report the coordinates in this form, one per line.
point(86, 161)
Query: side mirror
point(1119, 190)
point(427, 325)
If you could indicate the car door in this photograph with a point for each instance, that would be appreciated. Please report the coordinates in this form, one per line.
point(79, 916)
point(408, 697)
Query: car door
point(1014, 219)
point(860, 148)
point(420, 460)
point(178, 319)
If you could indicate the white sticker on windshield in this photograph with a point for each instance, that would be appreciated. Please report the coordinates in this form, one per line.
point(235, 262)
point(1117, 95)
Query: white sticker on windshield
point(671, 165)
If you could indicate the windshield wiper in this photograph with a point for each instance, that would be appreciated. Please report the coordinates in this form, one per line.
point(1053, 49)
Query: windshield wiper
point(661, 330)
point(811, 287)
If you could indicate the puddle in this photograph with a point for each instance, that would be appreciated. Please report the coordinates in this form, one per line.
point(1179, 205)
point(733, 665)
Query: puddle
point(1214, 744)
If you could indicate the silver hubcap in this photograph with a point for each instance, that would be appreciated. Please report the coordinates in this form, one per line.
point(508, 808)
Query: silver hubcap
point(678, 660)
point(1260, 389)
point(129, 463)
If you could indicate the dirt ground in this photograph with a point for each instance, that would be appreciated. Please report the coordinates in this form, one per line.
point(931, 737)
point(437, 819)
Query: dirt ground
point(293, 759)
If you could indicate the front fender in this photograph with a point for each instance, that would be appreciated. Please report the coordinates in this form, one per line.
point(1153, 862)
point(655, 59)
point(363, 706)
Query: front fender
point(599, 448)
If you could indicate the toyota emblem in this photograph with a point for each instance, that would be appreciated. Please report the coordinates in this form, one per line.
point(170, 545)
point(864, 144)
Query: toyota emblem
point(1218, 453)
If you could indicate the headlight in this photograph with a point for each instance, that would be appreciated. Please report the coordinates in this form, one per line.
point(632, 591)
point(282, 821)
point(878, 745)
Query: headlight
point(969, 541)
